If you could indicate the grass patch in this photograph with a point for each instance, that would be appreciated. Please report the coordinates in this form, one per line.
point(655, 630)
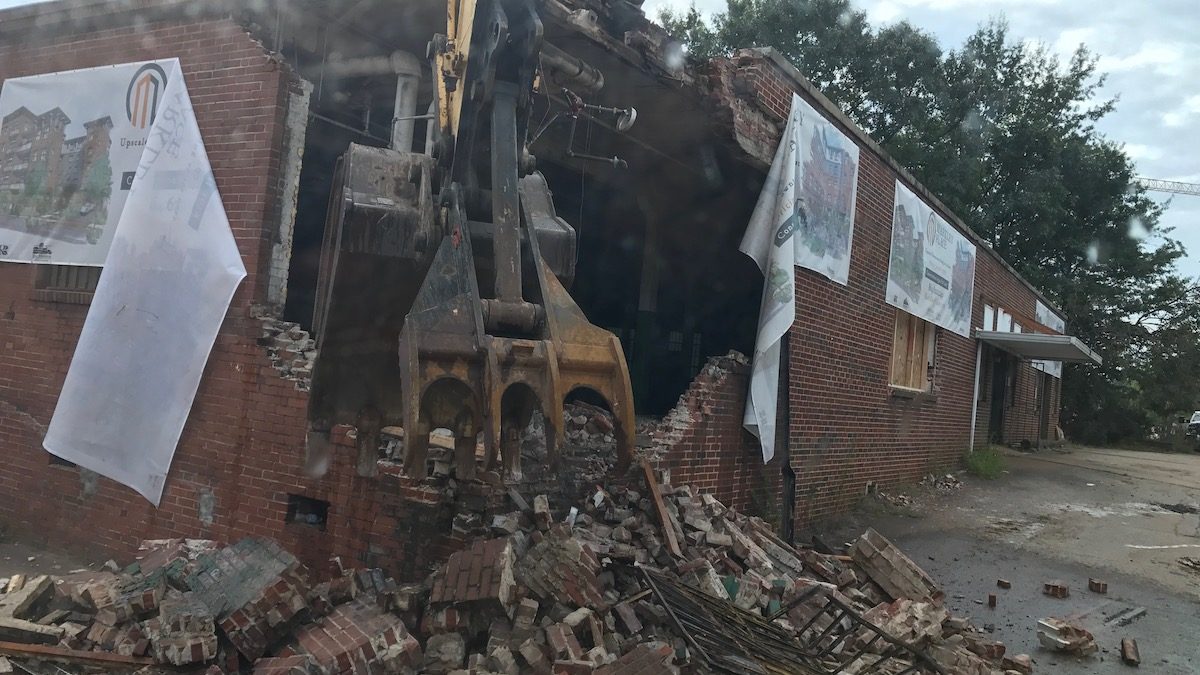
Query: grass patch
point(986, 463)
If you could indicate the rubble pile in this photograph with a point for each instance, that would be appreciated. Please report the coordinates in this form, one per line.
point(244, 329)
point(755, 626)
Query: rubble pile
point(638, 577)
point(290, 348)
point(943, 484)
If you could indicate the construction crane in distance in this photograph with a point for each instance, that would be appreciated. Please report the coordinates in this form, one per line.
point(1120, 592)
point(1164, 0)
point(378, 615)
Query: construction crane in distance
point(1172, 186)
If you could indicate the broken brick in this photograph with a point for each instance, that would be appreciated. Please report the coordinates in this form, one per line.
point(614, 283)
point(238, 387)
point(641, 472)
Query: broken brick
point(359, 636)
point(1056, 589)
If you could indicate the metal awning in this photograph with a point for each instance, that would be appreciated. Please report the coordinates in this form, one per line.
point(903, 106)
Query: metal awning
point(1040, 346)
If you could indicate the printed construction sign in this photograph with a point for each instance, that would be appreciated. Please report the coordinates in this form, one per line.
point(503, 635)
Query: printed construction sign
point(171, 271)
point(932, 270)
point(69, 145)
point(804, 218)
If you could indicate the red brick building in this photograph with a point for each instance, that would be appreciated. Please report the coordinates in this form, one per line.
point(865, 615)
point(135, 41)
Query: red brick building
point(276, 110)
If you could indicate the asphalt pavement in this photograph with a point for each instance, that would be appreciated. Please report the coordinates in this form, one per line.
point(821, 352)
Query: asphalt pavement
point(1120, 516)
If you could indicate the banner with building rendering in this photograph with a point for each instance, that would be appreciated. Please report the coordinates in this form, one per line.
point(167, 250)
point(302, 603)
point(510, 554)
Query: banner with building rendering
point(69, 145)
point(168, 280)
point(932, 269)
point(804, 218)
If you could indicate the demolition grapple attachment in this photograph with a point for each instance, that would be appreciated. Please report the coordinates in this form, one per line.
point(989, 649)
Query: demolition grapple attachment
point(472, 277)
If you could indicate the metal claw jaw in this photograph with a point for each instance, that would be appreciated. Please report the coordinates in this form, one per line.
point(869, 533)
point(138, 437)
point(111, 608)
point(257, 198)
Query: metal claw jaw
point(456, 376)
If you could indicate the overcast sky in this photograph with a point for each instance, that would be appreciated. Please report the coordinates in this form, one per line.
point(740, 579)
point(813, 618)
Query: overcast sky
point(1149, 48)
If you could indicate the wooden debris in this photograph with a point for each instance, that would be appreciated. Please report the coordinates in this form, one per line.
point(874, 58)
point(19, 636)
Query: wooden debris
point(62, 654)
point(664, 517)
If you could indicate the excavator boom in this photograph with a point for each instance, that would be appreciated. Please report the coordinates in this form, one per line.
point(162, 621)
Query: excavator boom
point(490, 334)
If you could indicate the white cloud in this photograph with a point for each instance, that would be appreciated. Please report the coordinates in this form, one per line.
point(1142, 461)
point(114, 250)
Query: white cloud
point(887, 11)
point(1069, 40)
point(1138, 151)
point(1163, 57)
point(884, 12)
point(1181, 116)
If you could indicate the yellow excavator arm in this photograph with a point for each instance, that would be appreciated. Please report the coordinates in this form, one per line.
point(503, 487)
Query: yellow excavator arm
point(490, 334)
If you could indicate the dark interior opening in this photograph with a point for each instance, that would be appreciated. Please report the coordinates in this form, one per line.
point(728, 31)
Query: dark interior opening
point(691, 190)
point(307, 511)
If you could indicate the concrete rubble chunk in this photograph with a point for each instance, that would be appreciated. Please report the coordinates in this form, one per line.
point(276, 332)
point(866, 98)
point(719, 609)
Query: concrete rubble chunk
point(297, 664)
point(444, 652)
point(541, 512)
point(19, 603)
point(1065, 635)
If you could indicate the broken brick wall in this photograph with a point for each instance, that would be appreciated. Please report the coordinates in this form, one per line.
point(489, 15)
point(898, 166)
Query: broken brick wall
point(242, 451)
point(848, 426)
point(703, 443)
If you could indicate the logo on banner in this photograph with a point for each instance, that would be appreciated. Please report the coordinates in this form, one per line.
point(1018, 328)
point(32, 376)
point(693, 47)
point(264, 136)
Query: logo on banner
point(42, 253)
point(143, 93)
point(787, 228)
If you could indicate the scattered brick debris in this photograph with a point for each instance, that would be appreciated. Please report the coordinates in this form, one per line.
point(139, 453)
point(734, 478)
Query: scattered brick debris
point(552, 587)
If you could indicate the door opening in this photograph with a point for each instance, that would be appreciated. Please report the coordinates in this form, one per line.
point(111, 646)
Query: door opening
point(998, 396)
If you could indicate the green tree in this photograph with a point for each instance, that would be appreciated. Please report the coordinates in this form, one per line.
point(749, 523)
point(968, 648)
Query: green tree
point(97, 183)
point(34, 181)
point(1005, 135)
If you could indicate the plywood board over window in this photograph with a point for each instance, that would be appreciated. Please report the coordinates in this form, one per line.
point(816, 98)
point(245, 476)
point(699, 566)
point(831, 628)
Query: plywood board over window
point(912, 352)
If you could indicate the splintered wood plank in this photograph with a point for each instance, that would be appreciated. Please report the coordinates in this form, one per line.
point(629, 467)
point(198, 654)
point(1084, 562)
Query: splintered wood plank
point(664, 518)
point(53, 653)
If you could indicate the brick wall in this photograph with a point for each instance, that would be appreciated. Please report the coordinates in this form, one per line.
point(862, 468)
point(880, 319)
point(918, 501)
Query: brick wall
point(703, 443)
point(242, 449)
point(848, 427)
point(242, 452)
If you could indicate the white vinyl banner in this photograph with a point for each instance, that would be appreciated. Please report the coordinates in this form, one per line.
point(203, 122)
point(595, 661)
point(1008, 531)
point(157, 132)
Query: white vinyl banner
point(70, 143)
point(805, 218)
point(932, 269)
point(167, 283)
point(1049, 319)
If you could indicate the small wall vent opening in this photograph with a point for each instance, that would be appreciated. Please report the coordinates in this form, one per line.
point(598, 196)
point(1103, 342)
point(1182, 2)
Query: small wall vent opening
point(307, 511)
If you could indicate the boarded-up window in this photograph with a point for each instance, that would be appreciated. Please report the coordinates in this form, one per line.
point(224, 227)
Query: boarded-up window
point(912, 352)
point(65, 283)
